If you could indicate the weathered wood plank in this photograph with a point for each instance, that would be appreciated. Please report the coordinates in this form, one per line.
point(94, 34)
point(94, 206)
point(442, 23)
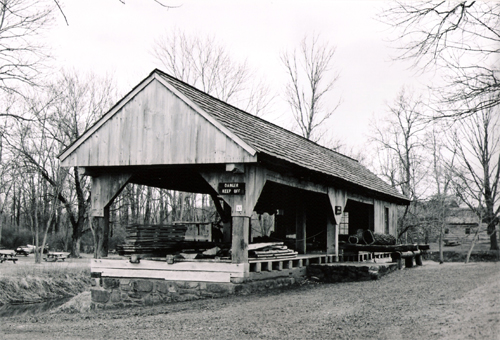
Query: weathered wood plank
point(294, 182)
point(157, 127)
point(169, 275)
point(100, 264)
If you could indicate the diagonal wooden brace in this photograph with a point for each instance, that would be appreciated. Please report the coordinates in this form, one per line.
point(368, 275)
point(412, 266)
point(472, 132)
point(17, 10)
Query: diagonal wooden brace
point(105, 188)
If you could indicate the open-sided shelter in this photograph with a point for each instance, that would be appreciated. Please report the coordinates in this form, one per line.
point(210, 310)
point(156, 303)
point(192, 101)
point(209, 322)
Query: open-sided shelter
point(167, 134)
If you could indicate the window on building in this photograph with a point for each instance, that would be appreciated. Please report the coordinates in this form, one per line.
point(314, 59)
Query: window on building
point(344, 224)
point(467, 230)
point(386, 220)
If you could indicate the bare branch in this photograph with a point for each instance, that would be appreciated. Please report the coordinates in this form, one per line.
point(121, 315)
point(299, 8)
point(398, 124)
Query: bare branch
point(311, 81)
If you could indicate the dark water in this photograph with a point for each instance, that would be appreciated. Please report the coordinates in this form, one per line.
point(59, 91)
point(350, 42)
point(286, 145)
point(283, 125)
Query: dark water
point(30, 309)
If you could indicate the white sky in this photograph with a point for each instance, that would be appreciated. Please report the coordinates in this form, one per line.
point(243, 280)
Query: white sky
point(108, 37)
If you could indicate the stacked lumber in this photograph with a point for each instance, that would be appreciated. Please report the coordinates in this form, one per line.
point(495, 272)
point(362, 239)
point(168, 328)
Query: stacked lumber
point(276, 250)
point(145, 239)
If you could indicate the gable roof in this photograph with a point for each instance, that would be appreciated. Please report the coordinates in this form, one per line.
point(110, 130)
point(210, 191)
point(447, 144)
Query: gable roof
point(256, 135)
point(272, 140)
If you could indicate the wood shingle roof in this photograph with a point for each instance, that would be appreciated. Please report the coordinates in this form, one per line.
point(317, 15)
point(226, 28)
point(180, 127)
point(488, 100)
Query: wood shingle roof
point(272, 140)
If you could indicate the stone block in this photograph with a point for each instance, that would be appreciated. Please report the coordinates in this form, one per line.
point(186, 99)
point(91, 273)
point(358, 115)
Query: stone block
point(99, 295)
point(188, 291)
point(220, 288)
point(115, 296)
point(162, 287)
point(143, 285)
point(187, 297)
point(152, 299)
point(193, 285)
point(110, 283)
point(125, 284)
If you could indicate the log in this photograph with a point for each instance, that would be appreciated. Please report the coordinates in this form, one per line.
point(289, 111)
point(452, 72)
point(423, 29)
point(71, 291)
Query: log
point(353, 239)
point(379, 248)
point(424, 247)
point(406, 254)
point(359, 235)
point(370, 237)
point(418, 260)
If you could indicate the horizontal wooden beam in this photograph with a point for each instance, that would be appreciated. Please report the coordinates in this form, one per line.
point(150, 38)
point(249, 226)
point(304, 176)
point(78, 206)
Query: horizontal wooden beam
point(101, 264)
point(360, 198)
point(295, 182)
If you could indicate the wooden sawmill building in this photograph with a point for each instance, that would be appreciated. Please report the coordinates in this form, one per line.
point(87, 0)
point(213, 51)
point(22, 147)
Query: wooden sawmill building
point(169, 135)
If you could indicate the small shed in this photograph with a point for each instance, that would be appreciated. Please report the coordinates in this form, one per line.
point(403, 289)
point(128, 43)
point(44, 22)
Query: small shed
point(168, 134)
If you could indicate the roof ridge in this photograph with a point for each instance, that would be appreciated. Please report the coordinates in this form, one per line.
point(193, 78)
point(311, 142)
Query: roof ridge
point(164, 74)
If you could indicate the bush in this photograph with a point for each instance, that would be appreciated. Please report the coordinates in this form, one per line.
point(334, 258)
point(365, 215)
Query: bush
point(11, 238)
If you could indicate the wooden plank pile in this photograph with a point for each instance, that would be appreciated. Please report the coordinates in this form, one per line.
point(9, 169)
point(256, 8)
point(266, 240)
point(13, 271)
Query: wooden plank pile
point(153, 239)
point(276, 250)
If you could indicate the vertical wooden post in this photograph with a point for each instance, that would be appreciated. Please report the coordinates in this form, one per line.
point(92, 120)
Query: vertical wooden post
point(105, 188)
point(105, 232)
point(418, 260)
point(338, 198)
point(226, 225)
point(101, 225)
point(332, 237)
point(300, 226)
point(241, 226)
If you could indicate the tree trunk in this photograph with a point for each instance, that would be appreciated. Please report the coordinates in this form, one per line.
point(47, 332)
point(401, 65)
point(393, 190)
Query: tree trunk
point(76, 238)
point(493, 235)
point(441, 255)
point(473, 243)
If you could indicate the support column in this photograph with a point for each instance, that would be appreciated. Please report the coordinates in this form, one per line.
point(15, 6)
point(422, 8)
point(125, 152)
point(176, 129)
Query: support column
point(239, 248)
point(241, 205)
point(226, 225)
point(338, 200)
point(105, 188)
point(332, 236)
point(101, 225)
point(300, 227)
point(105, 232)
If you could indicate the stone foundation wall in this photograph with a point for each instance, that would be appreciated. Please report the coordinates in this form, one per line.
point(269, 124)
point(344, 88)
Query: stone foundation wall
point(110, 293)
point(348, 273)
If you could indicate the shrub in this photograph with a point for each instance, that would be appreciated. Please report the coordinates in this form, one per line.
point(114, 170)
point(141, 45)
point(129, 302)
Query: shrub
point(12, 238)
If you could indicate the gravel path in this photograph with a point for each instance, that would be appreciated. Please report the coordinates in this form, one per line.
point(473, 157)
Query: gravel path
point(450, 301)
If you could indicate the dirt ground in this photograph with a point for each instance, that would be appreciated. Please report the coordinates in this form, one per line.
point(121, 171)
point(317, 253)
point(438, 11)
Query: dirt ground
point(449, 301)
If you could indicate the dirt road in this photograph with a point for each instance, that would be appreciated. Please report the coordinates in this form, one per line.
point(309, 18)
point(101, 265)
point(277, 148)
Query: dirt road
point(450, 301)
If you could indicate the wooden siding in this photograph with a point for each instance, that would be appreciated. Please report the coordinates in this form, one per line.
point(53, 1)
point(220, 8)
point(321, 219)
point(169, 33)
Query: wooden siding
point(156, 127)
point(379, 217)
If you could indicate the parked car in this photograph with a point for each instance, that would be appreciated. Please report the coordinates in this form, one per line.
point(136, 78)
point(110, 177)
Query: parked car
point(29, 249)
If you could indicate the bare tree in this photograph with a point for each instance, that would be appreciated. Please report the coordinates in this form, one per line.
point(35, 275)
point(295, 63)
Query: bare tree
point(204, 63)
point(58, 117)
point(443, 177)
point(400, 136)
point(463, 37)
point(311, 79)
point(399, 139)
point(22, 52)
point(477, 170)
